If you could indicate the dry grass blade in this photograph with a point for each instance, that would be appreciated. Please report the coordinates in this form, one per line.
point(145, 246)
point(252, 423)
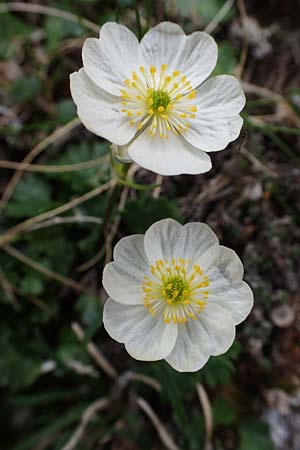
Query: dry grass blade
point(149, 381)
point(48, 11)
point(11, 232)
point(262, 92)
point(95, 353)
point(157, 190)
point(258, 164)
point(42, 168)
point(7, 288)
point(219, 16)
point(243, 57)
point(165, 437)
point(110, 237)
point(64, 220)
point(87, 417)
point(56, 135)
point(44, 270)
point(37, 302)
point(207, 411)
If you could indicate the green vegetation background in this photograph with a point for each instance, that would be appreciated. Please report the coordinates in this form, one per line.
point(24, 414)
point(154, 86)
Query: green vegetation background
point(50, 271)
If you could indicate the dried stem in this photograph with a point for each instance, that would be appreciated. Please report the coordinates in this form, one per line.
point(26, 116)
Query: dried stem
point(243, 58)
point(44, 270)
point(57, 134)
point(48, 11)
point(95, 353)
point(42, 168)
point(157, 190)
point(164, 435)
point(8, 289)
point(219, 16)
point(64, 220)
point(20, 227)
point(207, 412)
point(87, 417)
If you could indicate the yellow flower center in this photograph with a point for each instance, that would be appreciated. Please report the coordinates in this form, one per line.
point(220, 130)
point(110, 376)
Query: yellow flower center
point(176, 289)
point(159, 101)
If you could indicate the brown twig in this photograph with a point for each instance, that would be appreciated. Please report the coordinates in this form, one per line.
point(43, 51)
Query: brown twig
point(87, 417)
point(56, 135)
point(165, 437)
point(37, 302)
point(207, 412)
point(7, 288)
point(106, 249)
point(219, 16)
point(149, 381)
point(110, 237)
point(157, 190)
point(55, 221)
point(48, 11)
point(243, 58)
point(258, 164)
point(44, 270)
point(91, 262)
point(20, 227)
point(95, 353)
point(262, 92)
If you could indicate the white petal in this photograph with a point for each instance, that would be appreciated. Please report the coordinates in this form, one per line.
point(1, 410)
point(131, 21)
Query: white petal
point(121, 153)
point(173, 156)
point(110, 60)
point(129, 255)
point(195, 55)
point(163, 240)
point(223, 267)
point(99, 111)
point(219, 100)
point(197, 238)
point(167, 239)
point(218, 323)
point(235, 126)
point(192, 348)
point(146, 338)
point(121, 286)
point(225, 271)
point(238, 301)
point(161, 44)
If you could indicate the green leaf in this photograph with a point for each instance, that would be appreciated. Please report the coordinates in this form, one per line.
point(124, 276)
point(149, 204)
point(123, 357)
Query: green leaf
point(57, 29)
point(91, 313)
point(140, 214)
point(25, 88)
point(31, 197)
point(82, 180)
point(255, 436)
point(223, 412)
point(219, 369)
point(205, 10)
point(12, 29)
point(66, 110)
point(227, 59)
point(32, 284)
point(208, 9)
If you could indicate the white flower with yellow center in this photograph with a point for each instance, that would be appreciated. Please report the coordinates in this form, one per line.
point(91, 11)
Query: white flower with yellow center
point(150, 101)
point(175, 294)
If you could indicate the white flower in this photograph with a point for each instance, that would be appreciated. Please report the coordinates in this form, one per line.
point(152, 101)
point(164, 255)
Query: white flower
point(151, 97)
point(175, 294)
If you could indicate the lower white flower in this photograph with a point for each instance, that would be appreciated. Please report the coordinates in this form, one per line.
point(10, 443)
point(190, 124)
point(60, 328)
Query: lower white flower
point(175, 294)
point(152, 97)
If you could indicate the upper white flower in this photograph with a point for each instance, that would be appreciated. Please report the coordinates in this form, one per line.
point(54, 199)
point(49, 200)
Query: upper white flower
point(175, 294)
point(150, 96)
